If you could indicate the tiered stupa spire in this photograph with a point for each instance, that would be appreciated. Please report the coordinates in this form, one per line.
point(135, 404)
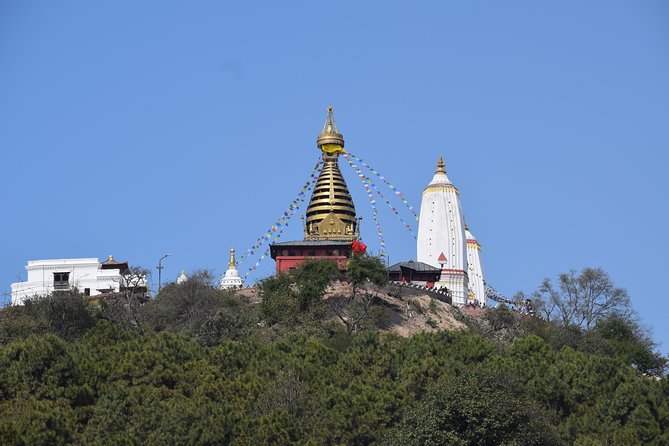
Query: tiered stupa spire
point(331, 213)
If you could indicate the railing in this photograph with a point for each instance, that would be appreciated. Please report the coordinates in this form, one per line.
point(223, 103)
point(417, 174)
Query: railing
point(441, 292)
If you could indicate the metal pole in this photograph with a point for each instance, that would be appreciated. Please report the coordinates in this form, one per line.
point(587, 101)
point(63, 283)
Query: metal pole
point(160, 270)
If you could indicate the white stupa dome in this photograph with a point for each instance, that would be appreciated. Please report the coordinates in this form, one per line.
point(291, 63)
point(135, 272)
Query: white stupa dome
point(231, 279)
point(182, 278)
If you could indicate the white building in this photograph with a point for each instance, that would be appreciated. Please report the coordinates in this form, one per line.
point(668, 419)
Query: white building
point(231, 279)
point(441, 233)
point(87, 275)
point(475, 268)
point(182, 278)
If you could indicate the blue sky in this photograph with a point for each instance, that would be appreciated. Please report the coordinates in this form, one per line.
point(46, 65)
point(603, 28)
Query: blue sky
point(140, 128)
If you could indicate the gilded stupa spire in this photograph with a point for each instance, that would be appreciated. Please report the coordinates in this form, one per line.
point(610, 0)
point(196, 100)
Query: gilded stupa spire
point(440, 165)
point(331, 213)
point(232, 263)
point(330, 140)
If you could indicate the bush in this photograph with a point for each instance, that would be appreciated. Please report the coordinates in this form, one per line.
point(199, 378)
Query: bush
point(67, 314)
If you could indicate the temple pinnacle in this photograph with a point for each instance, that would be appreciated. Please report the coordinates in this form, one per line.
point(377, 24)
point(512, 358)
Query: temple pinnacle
point(440, 165)
point(331, 213)
point(330, 140)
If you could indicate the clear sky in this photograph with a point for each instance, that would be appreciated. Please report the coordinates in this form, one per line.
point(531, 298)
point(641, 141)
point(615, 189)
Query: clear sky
point(142, 128)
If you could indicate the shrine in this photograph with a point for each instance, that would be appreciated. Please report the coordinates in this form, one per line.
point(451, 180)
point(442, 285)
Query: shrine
point(331, 225)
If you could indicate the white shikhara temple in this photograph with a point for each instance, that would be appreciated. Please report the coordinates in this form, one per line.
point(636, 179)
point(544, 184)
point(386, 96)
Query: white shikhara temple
point(445, 242)
point(475, 268)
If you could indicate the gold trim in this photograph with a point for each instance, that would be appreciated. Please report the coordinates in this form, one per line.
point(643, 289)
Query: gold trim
point(232, 263)
point(440, 187)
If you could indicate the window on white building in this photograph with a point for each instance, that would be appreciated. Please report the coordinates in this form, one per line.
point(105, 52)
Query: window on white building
point(61, 281)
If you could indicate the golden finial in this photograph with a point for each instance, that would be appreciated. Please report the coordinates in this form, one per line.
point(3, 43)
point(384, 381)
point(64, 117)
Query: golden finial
point(110, 258)
point(440, 165)
point(330, 140)
point(232, 263)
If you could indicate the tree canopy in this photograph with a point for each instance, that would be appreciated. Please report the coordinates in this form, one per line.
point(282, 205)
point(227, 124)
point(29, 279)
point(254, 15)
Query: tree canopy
point(211, 367)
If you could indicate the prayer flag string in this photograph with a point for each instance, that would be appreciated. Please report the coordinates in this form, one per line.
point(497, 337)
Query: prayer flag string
point(366, 183)
point(294, 207)
point(279, 225)
point(399, 194)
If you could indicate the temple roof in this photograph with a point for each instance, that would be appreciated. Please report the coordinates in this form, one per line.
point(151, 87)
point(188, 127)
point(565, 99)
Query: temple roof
point(313, 243)
point(416, 266)
point(110, 263)
point(440, 176)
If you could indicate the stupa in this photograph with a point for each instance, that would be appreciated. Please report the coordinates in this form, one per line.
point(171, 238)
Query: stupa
point(182, 278)
point(331, 224)
point(231, 279)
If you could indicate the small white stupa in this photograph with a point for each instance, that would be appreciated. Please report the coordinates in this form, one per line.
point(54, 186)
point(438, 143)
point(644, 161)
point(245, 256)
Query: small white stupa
point(182, 278)
point(231, 279)
point(441, 234)
point(475, 268)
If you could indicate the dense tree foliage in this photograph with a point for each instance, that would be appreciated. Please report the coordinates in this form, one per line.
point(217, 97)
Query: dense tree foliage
point(208, 371)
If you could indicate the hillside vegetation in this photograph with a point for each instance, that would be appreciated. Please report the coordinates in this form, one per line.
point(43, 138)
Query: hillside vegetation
point(316, 358)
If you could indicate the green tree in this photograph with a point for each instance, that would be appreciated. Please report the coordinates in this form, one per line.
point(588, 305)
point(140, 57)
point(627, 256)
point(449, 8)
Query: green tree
point(312, 279)
point(279, 302)
point(364, 269)
point(67, 314)
point(357, 311)
point(234, 320)
point(185, 307)
point(631, 343)
point(482, 406)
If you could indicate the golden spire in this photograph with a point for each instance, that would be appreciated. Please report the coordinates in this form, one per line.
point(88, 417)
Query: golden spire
point(232, 263)
point(440, 165)
point(330, 140)
point(331, 213)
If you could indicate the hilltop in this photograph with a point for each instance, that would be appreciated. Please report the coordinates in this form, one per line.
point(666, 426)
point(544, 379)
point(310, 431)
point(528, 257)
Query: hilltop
point(314, 357)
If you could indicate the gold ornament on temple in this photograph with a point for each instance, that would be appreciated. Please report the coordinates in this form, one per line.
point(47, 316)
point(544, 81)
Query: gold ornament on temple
point(331, 213)
point(440, 165)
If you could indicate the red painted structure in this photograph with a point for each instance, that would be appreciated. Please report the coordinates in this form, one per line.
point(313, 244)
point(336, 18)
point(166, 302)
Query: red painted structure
point(290, 255)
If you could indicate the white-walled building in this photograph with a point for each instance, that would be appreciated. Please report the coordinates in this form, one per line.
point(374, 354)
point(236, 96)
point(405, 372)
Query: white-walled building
point(475, 268)
point(441, 233)
point(87, 275)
